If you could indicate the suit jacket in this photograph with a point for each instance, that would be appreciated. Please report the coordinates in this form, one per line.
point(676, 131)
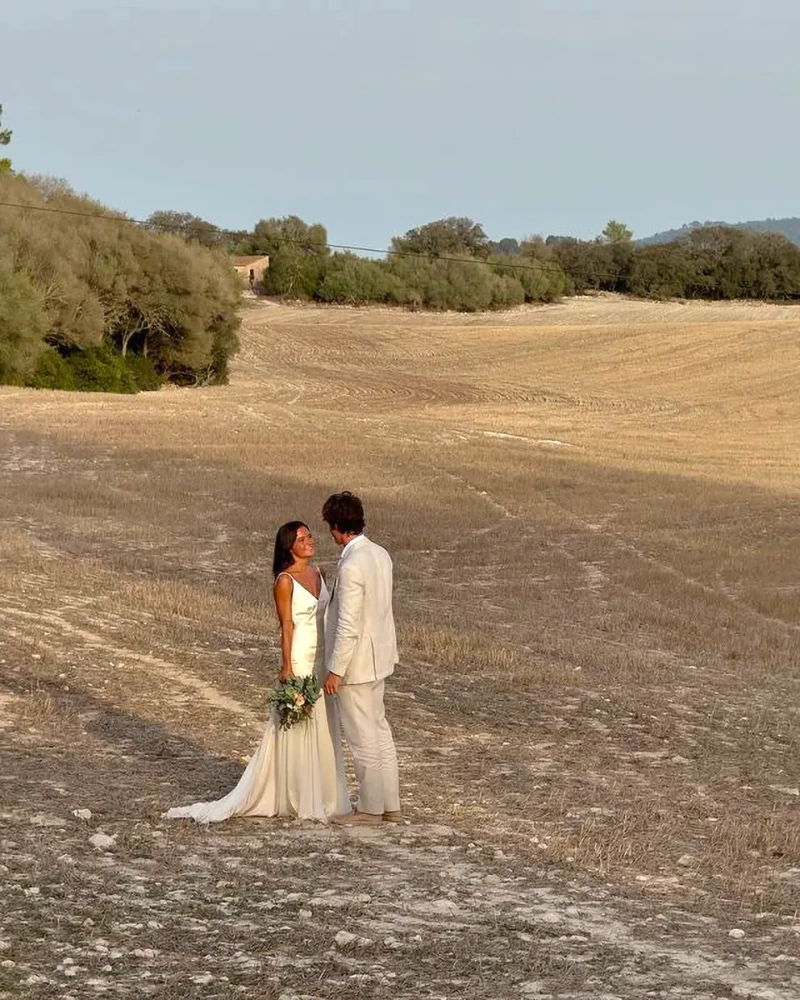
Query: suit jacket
point(360, 640)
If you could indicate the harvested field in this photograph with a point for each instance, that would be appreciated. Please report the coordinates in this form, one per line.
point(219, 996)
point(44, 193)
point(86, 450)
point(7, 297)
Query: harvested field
point(594, 513)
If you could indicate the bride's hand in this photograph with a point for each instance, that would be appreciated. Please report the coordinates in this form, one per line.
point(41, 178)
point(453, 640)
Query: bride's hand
point(286, 674)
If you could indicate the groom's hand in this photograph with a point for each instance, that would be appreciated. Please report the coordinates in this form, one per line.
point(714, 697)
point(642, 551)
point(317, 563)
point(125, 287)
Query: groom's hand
point(331, 683)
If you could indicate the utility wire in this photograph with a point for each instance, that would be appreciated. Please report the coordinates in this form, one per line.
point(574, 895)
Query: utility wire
point(539, 266)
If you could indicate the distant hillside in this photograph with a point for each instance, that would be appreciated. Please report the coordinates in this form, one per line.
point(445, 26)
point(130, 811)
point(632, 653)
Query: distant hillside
point(789, 227)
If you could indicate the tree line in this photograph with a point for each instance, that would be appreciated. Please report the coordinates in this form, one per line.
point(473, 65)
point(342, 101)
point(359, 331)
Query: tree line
point(447, 264)
point(712, 262)
point(452, 264)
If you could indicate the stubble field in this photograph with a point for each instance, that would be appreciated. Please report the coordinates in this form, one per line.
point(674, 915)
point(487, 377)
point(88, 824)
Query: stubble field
point(593, 510)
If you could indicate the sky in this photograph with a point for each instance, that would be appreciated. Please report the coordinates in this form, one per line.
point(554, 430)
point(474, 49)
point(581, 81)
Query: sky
point(374, 116)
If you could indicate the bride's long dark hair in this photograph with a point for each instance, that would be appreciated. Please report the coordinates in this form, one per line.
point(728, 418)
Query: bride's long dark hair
point(284, 540)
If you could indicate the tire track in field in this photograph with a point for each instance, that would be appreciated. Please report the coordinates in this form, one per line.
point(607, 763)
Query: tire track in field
point(57, 626)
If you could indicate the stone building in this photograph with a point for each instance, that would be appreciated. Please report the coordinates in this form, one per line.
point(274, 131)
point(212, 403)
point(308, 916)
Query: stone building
point(252, 268)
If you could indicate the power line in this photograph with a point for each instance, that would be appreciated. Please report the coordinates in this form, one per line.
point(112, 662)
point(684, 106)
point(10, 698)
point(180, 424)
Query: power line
point(539, 266)
point(68, 211)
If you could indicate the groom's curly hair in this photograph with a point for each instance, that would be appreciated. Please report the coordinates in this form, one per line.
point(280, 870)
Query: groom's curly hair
point(345, 512)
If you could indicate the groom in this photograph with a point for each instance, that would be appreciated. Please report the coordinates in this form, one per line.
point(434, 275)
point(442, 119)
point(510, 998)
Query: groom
point(360, 653)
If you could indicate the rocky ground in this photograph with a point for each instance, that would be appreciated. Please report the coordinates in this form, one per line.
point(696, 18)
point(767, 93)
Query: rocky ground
point(102, 897)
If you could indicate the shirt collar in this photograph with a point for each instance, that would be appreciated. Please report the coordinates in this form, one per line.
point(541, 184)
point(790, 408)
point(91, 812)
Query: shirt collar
point(352, 543)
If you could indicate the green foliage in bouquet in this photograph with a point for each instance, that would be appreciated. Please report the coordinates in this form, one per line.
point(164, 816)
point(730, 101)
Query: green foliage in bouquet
point(294, 700)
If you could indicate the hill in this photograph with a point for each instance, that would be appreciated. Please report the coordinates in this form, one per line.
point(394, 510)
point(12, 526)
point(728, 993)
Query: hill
point(790, 228)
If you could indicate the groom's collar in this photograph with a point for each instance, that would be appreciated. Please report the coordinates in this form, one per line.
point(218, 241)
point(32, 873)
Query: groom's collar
point(352, 544)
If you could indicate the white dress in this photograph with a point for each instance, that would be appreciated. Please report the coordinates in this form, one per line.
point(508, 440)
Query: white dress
point(294, 772)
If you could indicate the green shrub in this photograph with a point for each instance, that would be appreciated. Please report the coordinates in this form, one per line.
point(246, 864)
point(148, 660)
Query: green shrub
point(507, 292)
point(462, 285)
point(51, 372)
point(94, 369)
point(144, 375)
point(23, 324)
point(101, 369)
point(357, 281)
point(224, 345)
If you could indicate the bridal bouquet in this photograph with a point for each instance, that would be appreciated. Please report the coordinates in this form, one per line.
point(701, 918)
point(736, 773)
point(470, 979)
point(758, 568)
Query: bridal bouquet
point(294, 700)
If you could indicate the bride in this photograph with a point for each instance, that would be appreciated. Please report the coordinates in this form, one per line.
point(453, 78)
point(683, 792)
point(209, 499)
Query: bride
point(297, 771)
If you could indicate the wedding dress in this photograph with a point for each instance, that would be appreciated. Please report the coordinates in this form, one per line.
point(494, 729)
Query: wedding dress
point(297, 771)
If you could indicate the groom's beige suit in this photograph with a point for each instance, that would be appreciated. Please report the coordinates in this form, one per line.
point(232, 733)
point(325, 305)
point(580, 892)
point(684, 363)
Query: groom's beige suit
point(361, 648)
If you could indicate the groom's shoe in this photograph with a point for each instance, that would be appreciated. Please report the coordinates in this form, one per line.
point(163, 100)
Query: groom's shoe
point(357, 818)
point(393, 816)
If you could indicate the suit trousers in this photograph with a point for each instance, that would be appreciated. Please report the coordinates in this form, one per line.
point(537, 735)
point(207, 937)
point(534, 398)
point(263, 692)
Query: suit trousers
point(369, 737)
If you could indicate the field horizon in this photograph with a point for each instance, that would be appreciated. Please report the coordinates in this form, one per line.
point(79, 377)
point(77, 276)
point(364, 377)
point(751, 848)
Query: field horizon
point(593, 511)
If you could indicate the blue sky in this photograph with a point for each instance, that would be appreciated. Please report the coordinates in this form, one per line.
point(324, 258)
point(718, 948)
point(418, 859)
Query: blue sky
point(372, 116)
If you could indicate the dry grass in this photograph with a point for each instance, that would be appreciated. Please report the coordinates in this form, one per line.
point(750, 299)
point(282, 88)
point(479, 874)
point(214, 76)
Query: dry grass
point(593, 512)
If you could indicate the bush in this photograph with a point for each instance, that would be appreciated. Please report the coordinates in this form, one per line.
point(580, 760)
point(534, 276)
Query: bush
point(224, 346)
point(357, 281)
point(536, 272)
point(462, 285)
point(507, 292)
point(94, 369)
point(23, 324)
point(101, 369)
point(51, 372)
point(142, 372)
